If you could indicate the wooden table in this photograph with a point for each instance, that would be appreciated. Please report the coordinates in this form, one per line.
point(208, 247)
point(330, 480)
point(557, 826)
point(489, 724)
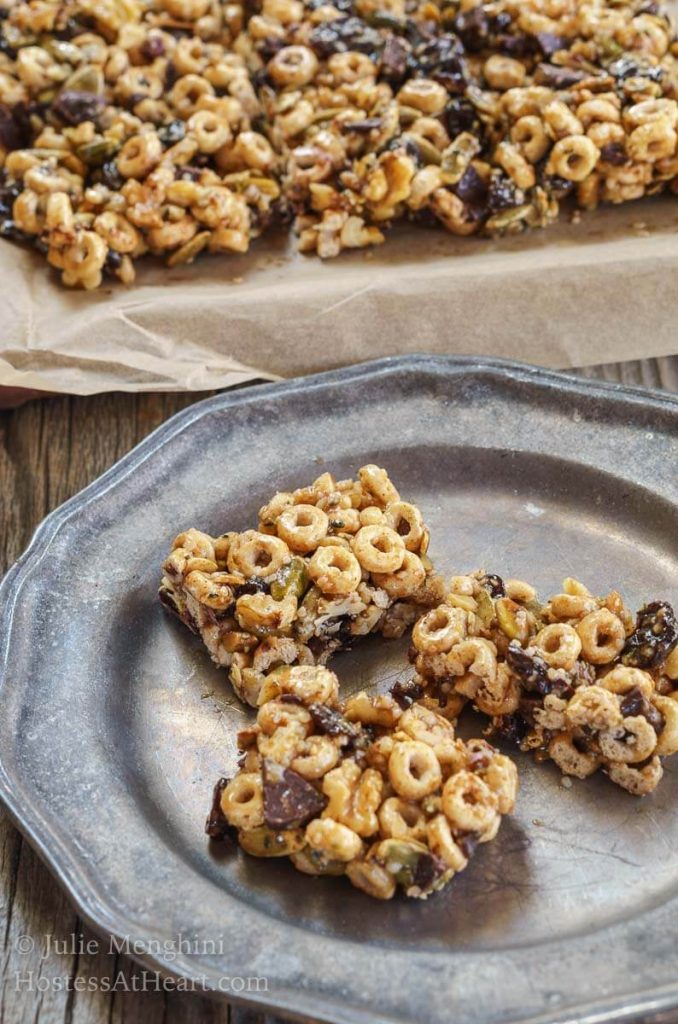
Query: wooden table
point(49, 449)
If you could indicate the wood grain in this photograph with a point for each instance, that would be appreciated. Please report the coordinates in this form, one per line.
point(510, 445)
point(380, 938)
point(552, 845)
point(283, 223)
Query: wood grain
point(49, 450)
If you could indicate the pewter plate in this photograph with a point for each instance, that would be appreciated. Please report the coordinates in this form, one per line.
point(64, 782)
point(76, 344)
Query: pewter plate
point(115, 724)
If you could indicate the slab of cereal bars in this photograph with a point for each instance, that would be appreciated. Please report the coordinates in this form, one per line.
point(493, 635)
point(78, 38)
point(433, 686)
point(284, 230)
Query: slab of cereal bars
point(576, 679)
point(382, 793)
point(175, 127)
point(327, 564)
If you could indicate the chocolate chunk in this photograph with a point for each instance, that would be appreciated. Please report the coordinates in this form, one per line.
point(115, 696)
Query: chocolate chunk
point(558, 78)
point(254, 585)
point(471, 189)
point(502, 194)
point(406, 692)
point(342, 35)
point(461, 116)
point(550, 43)
point(655, 635)
point(289, 800)
point(74, 106)
point(111, 176)
point(216, 826)
point(331, 722)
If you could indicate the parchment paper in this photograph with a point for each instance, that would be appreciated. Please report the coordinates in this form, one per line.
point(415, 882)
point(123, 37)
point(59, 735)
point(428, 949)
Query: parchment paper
point(603, 290)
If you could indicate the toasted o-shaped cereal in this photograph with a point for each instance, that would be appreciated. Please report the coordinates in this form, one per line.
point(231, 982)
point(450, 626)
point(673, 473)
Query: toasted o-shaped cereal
point(573, 158)
point(335, 569)
point(635, 740)
point(318, 755)
point(242, 801)
point(256, 554)
point(310, 683)
point(622, 679)
point(377, 483)
point(559, 645)
point(667, 740)
point(439, 630)
point(570, 760)
point(442, 843)
point(405, 580)
point(638, 781)
point(407, 521)
point(379, 548)
point(593, 707)
point(414, 770)
point(332, 838)
point(302, 527)
point(400, 819)
point(602, 636)
point(468, 803)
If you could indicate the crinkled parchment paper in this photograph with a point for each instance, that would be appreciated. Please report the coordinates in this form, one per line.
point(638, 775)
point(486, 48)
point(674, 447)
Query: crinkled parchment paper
point(602, 290)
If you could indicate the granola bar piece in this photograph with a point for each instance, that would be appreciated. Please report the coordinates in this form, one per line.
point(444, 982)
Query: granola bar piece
point(128, 128)
point(481, 119)
point(326, 564)
point(384, 795)
point(573, 679)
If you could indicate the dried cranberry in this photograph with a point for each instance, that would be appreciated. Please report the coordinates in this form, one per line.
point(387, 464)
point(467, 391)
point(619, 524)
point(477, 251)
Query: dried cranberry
point(10, 136)
point(216, 826)
point(253, 585)
point(113, 263)
point(289, 800)
point(152, 47)
point(512, 728)
point(614, 153)
point(461, 116)
point(368, 124)
point(172, 133)
point(494, 584)
point(655, 635)
point(342, 35)
point(406, 692)
point(473, 28)
point(467, 843)
point(428, 870)
point(74, 106)
point(531, 669)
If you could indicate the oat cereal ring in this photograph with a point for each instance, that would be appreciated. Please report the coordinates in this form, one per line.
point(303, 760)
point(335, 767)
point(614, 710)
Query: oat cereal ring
point(559, 645)
point(570, 759)
point(414, 769)
point(379, 549)
point(302, 527)
point(335, 570)
point(602, 636)
point(404, 581)
point(439, 630)
point(468, 803)
point(257, 554)
point(343, 818)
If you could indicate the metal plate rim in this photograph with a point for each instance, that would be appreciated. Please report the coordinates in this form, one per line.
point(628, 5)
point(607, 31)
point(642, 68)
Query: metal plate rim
point(63, 862)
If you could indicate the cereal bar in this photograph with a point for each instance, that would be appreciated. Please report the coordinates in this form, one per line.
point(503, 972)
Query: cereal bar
point(386, 795)
point(127, 128)
point(327, 564)
point(575, 679)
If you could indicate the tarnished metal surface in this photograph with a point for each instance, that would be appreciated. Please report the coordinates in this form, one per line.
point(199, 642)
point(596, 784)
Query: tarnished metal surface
point(115, 724)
